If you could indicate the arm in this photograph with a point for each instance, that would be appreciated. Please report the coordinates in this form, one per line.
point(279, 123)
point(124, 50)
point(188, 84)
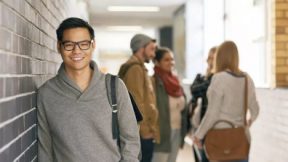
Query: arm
point(129, 133)
point(215, 98)
point(134, 80)
point(253, 105)
point(44, 137)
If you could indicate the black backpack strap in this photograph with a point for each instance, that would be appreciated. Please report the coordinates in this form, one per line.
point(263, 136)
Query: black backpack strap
point(111, 92)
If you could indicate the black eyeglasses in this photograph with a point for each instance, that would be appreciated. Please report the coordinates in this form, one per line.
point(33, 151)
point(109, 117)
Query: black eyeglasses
point(83, 45)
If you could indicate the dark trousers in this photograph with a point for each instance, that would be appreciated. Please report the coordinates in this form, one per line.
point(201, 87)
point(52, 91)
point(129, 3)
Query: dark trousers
point(147, 148)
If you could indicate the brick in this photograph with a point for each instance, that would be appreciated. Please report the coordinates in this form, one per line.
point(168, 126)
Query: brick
point(286, 77)
point(280, 30)
point(280, 46)
point(281, 38)
point(281, 6)
point(26, 85)
point(281, 77)
point(281, 22)
point(286, 14)
point(281, 53)
point(2, 87)
point(1, 13)
point(26, 103)
point(286, 30)
point(19, 26)
point(3, 65)
point(280, 61)
point(11, 64)
point(15, 44)
point(281, 70)
point(31, 153)
point(22, 7)
point(13, 151)
point(281, 84)
point(6, 43)
point(30, 119)
point(24, 66)
point(28, 138)
point(280, 14)
point(34, 96)
point(10, 3)
point(8, 18)
point(11, 86)
point(21, 45)
point(12, 130)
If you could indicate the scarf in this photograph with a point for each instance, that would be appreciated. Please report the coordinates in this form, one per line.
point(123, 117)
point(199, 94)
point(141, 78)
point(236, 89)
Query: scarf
point(170, 81)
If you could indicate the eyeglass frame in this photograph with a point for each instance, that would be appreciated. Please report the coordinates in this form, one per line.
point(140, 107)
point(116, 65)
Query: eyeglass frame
point(77, 43)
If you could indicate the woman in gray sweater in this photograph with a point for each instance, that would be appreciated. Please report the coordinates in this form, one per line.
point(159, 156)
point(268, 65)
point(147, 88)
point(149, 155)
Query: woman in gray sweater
point(225, 94)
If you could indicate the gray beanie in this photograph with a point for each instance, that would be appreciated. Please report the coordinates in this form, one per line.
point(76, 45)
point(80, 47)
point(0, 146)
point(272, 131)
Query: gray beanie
point(139, 41)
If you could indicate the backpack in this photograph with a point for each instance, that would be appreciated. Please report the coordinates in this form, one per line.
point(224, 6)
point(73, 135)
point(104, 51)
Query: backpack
point(111, 83)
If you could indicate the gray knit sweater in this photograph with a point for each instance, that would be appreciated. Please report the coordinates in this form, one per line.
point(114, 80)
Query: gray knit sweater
point(226, 102)
point(75, 126)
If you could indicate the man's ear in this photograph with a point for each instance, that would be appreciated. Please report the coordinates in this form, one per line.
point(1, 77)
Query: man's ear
point(141, 50)
point(93, 44)
point(59, 46)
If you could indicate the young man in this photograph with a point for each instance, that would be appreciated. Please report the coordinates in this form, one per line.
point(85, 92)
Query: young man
point(134, 75)
point(74, 114)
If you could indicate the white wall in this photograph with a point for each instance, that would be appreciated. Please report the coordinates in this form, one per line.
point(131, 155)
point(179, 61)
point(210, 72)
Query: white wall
point(194, 38)
point(210, 22)
point(113, 47)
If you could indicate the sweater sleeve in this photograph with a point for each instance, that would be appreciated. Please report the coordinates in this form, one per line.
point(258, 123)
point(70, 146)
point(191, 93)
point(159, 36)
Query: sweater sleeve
point(253, 105)
point(44, 137)
point(215, 98)
point(129, 132)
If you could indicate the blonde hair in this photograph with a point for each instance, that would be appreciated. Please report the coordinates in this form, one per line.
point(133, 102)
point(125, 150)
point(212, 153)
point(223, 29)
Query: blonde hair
point(227, 58)
point(210, 61)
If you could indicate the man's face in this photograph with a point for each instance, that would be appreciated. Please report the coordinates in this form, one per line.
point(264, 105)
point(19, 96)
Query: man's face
point(149, 51)
point(76, 48)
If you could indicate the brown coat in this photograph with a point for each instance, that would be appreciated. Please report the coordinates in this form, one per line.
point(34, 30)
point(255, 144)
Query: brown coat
point(139, 85)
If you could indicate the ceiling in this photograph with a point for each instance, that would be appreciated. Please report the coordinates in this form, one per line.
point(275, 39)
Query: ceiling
point(99, 16)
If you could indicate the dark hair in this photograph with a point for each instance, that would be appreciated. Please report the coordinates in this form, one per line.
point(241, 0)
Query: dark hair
point(160, 52)
point(73, 22)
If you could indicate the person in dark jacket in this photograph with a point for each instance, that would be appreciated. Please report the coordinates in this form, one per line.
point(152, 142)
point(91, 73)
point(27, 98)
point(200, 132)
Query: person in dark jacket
point(198, 109)
point(171, 107)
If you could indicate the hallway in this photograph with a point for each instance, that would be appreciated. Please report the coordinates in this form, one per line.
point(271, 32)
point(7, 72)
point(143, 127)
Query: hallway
point(29, 57)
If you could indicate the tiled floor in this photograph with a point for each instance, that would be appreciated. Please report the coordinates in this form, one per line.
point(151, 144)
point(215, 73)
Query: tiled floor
point(185, 155)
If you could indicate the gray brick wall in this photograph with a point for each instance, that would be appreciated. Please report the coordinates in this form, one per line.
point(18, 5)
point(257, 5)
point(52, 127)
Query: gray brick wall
point(28, 57)
point(270, 131)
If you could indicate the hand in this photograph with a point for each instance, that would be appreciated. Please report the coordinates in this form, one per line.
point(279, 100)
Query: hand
point(249, 122)
point(148, 136)
point(197, 142)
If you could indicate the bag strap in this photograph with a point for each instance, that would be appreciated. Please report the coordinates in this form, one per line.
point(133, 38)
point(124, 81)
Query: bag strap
point(110, 81)
point(245, 100)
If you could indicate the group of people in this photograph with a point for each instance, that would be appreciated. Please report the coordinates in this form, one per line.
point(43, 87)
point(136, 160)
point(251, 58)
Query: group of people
point(220, 96)
point(75, 116)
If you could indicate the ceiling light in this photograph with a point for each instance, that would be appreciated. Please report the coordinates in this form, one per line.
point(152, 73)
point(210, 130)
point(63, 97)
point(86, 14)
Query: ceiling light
point(133, 9)
point(124, 28)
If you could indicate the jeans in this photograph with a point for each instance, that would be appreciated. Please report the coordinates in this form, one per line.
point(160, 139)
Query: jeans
point(147, 148)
